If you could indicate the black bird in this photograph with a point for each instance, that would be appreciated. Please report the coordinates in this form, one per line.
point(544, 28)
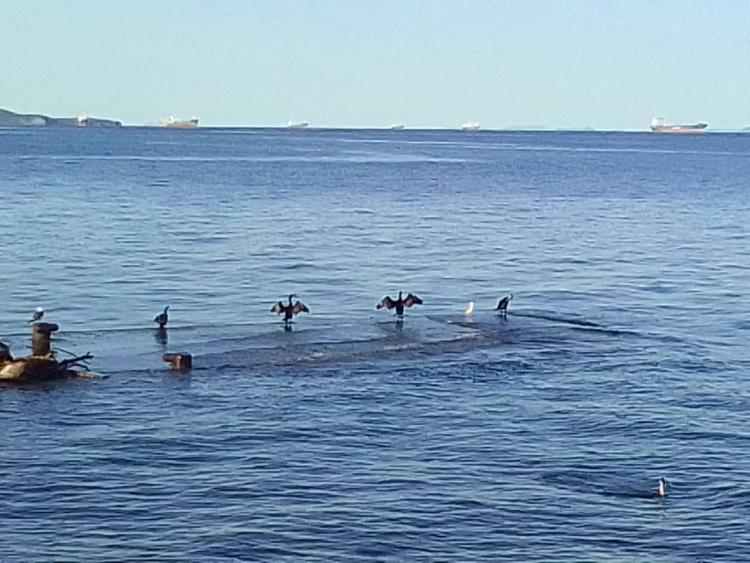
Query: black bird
point(399, 303)
point(289, 309)
point(502, 305)
point(37, 315)
point(162, 318)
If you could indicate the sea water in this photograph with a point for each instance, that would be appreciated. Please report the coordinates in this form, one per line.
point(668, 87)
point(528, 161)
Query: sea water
point(540, 435)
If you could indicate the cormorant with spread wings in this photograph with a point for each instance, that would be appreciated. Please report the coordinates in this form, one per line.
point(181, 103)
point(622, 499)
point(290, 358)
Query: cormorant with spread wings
point(289, 309)
point(399, 303)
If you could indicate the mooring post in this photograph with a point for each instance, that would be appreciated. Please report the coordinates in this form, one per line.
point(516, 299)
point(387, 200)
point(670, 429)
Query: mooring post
point(41, 335)
point(179, 362)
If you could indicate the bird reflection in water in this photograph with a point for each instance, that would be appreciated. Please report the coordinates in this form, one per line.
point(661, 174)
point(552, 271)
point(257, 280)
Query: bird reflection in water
point(160, 335)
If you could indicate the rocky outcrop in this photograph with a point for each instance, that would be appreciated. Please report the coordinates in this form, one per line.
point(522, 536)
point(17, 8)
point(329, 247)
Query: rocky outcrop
point(11, 119)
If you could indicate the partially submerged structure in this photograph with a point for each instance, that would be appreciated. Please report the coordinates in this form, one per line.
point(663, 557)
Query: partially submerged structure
point(42, 364)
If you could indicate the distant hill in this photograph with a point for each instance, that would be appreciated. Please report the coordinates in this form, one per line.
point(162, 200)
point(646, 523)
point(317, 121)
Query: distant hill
point(12, 119)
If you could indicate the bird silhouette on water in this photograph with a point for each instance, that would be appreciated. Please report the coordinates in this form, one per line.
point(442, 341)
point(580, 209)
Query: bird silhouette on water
point(289, 310)
point(162, 318)
point(400, 303)
point(37, 315)
point(502, 305)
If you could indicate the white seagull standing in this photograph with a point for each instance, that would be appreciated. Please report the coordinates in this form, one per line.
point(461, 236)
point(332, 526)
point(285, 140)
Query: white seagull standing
point(37, 315)
point(662, 492)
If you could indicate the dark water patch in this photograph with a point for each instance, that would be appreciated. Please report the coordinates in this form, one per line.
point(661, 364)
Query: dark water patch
point(602, 483)
point(555, 318)
point(433, 337)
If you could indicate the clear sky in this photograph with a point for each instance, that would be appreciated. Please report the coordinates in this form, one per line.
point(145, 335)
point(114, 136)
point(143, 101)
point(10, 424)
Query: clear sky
point(359, 63)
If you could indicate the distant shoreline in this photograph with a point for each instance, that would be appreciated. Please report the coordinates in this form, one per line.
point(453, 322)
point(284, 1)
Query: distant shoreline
point(12, 119)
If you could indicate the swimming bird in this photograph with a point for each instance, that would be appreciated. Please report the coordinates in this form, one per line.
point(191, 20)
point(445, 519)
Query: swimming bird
point(469, 309)
point(662, 490)
point(289, 309)
point(502, 305)
point(162, 318)
point(37, 315)
point(399, 303)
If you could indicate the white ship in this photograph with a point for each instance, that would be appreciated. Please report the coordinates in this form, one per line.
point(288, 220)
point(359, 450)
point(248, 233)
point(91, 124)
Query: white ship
point(470, 126)
point(174, 123)
point(298, 125)
point(659, 125)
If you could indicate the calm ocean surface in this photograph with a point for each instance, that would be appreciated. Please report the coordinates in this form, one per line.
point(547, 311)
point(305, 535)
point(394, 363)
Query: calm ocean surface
point(536, 437)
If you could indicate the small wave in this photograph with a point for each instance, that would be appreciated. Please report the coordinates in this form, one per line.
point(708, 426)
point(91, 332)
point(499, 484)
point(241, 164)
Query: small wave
point(353, 159)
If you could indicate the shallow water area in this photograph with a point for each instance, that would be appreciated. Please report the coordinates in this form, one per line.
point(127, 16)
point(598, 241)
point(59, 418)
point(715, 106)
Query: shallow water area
point(540, 435)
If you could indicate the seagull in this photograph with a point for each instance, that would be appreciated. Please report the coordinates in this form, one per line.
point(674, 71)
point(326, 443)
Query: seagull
point(37, 315)
point(399, 303)
point(502, 305)
point(162, 318)
point(289, 309)
point(469, 309)
point(662, 490)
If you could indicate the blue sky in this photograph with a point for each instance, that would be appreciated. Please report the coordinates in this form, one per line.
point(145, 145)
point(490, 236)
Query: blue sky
point(559, 64)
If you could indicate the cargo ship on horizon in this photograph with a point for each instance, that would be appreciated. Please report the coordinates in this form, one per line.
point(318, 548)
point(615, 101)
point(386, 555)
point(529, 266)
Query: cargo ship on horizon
point(174, 123)
point(658, 125)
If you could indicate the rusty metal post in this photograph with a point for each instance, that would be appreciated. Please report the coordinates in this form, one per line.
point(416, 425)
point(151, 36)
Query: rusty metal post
point(41, 336)
point(179, 362)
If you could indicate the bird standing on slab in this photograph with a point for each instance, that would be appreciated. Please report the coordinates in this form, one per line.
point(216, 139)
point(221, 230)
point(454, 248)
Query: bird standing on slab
point(289, 309)
point(37, 315)
point(502, 305)
point(399, 303)
point(162, 318)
